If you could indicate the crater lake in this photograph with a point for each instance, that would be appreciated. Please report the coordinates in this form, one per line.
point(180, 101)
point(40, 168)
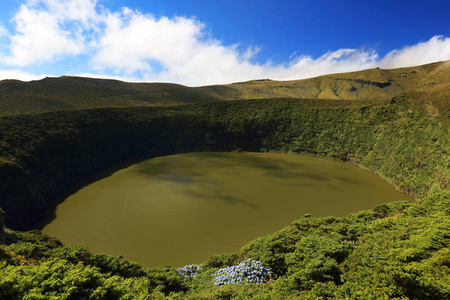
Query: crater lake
point(181, 209)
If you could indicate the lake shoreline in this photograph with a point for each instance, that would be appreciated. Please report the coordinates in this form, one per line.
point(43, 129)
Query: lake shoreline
point(195, 196)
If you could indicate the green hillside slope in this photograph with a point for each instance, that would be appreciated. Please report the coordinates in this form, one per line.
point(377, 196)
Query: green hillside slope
point(70, 93)
point(363, 85)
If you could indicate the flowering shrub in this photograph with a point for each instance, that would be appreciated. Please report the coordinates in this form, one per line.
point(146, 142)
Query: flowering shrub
point(250, 271)
point(188, 271)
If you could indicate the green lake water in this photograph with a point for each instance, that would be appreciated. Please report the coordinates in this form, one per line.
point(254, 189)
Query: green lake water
point(181, 209)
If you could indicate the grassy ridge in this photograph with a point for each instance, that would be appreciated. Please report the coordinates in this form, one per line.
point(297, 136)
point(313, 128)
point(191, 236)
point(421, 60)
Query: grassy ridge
point(372, 84)
point(72, 93)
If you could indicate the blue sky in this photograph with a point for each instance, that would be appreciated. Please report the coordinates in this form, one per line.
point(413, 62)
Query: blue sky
point(200, 42)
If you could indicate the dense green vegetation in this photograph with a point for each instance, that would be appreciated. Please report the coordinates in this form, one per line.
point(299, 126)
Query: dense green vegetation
point(396, 250)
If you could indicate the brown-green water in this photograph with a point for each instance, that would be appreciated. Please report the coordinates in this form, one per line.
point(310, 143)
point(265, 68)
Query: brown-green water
point(181, 209)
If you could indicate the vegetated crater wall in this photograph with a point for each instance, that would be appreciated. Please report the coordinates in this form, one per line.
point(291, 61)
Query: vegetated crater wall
point(43, 154)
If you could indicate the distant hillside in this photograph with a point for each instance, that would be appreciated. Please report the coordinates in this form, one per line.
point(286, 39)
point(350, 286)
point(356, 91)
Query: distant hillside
point(369, 84)
point(69, 93)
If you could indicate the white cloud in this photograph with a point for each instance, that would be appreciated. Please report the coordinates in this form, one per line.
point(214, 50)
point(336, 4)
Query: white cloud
point(131, 40)
point(342, 60)
point(176, 50)
point(43, 34)
point(134, 42)
point(19, 75)
point(40, 38)
point(109, 76)
point(83, 11)
point(436, 49)
point(131, 45)
point(3, 31)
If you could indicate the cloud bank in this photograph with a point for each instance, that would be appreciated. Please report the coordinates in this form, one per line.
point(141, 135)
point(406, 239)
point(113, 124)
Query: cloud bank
point(134, 46)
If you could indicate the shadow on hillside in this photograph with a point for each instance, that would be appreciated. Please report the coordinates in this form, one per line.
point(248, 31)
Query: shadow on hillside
point(50, 213)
